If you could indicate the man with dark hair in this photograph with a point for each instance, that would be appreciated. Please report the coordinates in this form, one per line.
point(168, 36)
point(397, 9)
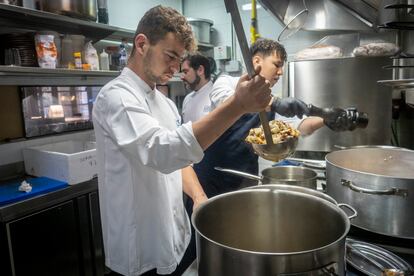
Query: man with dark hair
point(196, 76)
point(145, 152)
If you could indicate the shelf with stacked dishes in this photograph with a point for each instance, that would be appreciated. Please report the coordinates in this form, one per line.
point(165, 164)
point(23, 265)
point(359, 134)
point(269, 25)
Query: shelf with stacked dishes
point(20, 18)
point(35, 20)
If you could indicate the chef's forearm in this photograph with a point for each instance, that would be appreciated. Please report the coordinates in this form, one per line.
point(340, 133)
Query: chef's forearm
point(309, 125)
point(191, 185)
point(213, 125)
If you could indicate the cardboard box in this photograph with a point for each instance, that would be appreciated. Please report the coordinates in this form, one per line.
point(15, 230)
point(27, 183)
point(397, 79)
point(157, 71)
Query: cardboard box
point(69, 161)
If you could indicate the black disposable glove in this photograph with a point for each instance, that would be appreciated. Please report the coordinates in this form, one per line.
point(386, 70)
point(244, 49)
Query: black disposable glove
point(289, 107)
point(340, 120)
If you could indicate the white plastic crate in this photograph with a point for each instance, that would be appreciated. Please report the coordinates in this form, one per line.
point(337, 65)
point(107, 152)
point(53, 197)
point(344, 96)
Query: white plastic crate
point(70, 161)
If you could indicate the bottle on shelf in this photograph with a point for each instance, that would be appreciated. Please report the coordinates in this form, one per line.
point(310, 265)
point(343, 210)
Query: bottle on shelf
point(104, 60)
point(91, 56)
point(103, 11)
point(77, 56)
point(127, 48)
point(123, 54)
point(113, 53)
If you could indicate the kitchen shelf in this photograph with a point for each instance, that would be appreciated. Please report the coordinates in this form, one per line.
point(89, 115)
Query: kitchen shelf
point(35, 20)
point(398, 84)
point(34, 76)
point(204, 45)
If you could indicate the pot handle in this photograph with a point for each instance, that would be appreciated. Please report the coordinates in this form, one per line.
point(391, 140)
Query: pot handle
point(355, 213)
point(242, 174)
point(392, 191)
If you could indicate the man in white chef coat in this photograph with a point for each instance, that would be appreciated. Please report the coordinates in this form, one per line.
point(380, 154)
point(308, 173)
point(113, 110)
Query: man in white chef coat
point(144, 151)
point(196, 76)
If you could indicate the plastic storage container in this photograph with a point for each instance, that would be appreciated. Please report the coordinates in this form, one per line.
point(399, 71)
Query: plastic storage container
point(78, 42)
point(70, 161)
point(67, 52)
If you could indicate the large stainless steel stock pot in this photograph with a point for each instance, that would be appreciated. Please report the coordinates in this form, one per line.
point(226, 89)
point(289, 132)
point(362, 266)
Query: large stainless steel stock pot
point(379, 184)
point(264, 231)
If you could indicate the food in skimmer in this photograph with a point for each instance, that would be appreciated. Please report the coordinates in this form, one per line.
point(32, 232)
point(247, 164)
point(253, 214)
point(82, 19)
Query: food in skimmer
point(280, 132)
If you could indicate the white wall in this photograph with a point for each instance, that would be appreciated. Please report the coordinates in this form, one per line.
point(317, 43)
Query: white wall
point(127, 13)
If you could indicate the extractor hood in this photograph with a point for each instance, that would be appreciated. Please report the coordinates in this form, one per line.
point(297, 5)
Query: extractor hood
point(325, 15)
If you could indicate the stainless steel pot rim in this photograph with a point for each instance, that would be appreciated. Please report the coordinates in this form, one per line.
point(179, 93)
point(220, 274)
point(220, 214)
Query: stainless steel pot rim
point(369, 146)
point(361, 171)
point(324, 202)
point(297, 188)
point(298, 168)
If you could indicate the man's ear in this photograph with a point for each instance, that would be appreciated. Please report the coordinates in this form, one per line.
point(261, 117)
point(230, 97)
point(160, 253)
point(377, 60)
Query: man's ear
point(200, 70)
point(257, 60)
point(141, 43)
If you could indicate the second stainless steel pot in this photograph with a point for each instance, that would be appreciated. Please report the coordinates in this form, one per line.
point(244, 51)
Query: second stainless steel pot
point(270, 232)
point(379, 183)
point(291, 175)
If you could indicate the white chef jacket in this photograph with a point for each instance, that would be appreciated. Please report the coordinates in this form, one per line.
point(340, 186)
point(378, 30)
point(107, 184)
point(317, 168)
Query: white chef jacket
point(197, 103)
point(225, 86)
point(141, 147)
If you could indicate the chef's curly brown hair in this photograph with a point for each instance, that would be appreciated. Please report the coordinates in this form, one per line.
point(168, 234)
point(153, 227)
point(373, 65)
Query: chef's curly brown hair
point(266, 47)
point(158, 21)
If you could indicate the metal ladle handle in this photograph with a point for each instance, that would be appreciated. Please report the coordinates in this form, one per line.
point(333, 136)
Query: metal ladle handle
point(239, 173)
point(231, 7)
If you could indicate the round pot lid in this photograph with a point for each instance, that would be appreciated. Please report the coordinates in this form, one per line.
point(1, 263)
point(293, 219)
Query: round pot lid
point(388, 162)
point(374, 260)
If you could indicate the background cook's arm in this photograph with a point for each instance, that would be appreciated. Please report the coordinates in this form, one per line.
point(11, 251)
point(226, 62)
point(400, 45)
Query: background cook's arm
point(192, 187)
point(309, 125)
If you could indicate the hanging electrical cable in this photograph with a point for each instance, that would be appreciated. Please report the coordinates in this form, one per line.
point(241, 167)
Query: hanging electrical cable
point(254, 31)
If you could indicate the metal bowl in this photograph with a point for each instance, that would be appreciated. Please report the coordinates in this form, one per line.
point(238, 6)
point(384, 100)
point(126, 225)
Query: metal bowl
point(277, 152)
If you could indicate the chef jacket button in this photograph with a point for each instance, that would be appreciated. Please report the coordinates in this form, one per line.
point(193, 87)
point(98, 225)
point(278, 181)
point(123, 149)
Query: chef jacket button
point(175, 248)
point(175, 212)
